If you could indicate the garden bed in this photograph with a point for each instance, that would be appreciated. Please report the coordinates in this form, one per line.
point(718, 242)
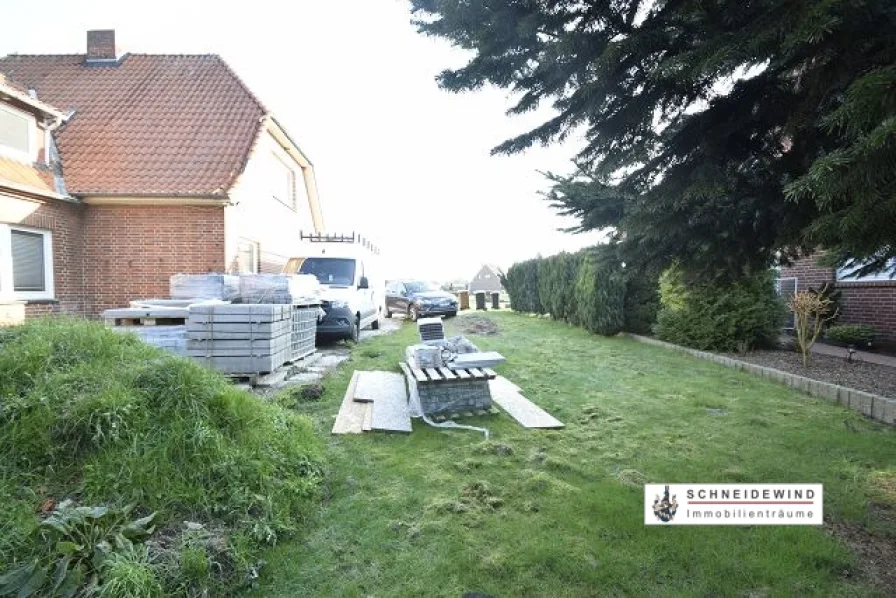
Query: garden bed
point(869, 377)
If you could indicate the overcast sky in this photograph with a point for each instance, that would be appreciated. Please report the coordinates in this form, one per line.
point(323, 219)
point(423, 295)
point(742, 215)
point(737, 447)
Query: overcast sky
point(397, 159)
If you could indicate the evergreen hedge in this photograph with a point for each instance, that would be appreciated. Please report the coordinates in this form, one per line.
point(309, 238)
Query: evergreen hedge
point(587, 288)
point(738, 316)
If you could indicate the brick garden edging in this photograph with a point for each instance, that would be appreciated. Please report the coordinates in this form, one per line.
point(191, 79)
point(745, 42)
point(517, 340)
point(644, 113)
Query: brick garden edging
point(868, 404)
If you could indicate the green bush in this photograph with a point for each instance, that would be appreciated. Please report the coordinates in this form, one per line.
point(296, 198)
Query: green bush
point(642, 300)
point(738, 316)
point(100, 416)
point(600, 293)
point(589, 288)
point(521, 283)
point(557, 277)
point(851, 334)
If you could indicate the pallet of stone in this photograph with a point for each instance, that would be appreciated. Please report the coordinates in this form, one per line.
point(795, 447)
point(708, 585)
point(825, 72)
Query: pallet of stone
point(142, 316)
point(171, 338)
point(240, 339)
point(442, 390)
point(204, 286)
point(243, 365)
point(230, 313)
point(304, 330)
point(278, 288)
point(236, 347)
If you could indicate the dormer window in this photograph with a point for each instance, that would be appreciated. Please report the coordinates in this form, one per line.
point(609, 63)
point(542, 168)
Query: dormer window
point(16, 133)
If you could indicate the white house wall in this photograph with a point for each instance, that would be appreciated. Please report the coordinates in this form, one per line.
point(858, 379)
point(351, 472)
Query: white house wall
point(256, 216)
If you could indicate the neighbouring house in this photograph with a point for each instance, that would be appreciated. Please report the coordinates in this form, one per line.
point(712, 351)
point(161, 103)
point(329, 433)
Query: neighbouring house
point(135, 167)
point(867, 300)
point(488, 279)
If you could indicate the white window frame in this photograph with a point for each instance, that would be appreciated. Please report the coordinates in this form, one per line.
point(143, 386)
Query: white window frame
point(289, 202)
point(256, 251)
point(28, 155)
point(884, 276)
point(7, 288)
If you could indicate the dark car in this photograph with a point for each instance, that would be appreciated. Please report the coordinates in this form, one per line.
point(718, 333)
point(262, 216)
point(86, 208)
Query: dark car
point(417, 298)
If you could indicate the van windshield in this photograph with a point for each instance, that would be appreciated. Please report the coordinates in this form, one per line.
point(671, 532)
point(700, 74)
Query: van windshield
point(332, 271)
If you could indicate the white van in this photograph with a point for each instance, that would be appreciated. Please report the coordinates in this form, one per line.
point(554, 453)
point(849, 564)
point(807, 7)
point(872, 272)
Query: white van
point(352, 290)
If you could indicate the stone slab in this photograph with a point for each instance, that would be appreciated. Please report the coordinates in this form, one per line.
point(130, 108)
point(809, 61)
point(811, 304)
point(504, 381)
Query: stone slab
point(390, 407)
point(374, 384)
point(524, 411)
point(350, 418)
point(476, 360)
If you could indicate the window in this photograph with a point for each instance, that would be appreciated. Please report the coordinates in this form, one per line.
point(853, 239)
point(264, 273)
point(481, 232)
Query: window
point(885, 275)
point(26, 263)
point(283, 183)
point(247, 257)
point(15, 133)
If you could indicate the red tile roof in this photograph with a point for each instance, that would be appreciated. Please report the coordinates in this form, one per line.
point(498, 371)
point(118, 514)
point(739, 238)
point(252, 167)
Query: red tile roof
point(26, 177)
point(167, 125)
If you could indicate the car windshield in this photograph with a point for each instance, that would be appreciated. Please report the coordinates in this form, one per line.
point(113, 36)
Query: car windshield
point(419, 286)
point(328, 270)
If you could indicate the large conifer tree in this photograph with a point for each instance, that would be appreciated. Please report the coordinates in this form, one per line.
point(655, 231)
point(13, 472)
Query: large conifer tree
point(719, 132)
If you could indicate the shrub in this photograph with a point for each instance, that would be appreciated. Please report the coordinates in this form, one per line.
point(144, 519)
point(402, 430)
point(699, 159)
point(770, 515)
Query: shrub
point(91, 413)
point(557, 277)
point(642, 300)
point(810, 313)
point(851, 334)
point(600, 293)
point(557, 285)
point(521, 283)
point(737, 316)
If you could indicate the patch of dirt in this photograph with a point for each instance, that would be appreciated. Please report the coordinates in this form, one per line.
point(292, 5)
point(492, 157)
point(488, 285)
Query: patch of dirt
point(876, 555)
point(475, 324)
point(870, 377)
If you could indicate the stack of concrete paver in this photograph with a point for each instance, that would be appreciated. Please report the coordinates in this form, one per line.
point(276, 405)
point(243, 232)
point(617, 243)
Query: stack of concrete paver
point(240, 339)
point(278, 288)
point(199, 287)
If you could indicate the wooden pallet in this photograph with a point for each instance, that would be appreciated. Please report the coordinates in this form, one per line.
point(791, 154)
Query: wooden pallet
point(441, 375)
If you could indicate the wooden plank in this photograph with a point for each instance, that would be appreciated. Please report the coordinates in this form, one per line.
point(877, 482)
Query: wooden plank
point(477, 375)
point(524, 411)
point(390, 406)
point(489, 373)
point(350, 419)
point(433, 375)
point(419, 375)
point(462, 374)
point(446, 374)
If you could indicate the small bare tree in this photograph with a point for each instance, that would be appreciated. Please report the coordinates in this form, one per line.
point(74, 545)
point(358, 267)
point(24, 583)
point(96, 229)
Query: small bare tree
point(810, 313)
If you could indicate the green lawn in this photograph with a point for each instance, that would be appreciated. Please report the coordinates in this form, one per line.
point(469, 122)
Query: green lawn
point(440, 513)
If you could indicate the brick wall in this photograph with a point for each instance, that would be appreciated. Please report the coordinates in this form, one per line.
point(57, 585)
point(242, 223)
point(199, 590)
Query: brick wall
point(65, 220)
point(132, 251)
point(872, 303)
point(808, 272)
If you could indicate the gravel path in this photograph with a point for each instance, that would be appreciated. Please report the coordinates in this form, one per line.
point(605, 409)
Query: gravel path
point(877, 379)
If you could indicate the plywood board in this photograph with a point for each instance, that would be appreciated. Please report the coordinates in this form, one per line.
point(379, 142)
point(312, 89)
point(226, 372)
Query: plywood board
point(350, 419)
point(524, 411)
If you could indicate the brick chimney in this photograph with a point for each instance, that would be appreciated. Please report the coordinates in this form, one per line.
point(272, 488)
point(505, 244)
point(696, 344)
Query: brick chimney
point(101, 45)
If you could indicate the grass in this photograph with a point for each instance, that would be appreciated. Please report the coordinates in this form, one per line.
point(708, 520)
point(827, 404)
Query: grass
point(100, 418)
point(560, 513)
